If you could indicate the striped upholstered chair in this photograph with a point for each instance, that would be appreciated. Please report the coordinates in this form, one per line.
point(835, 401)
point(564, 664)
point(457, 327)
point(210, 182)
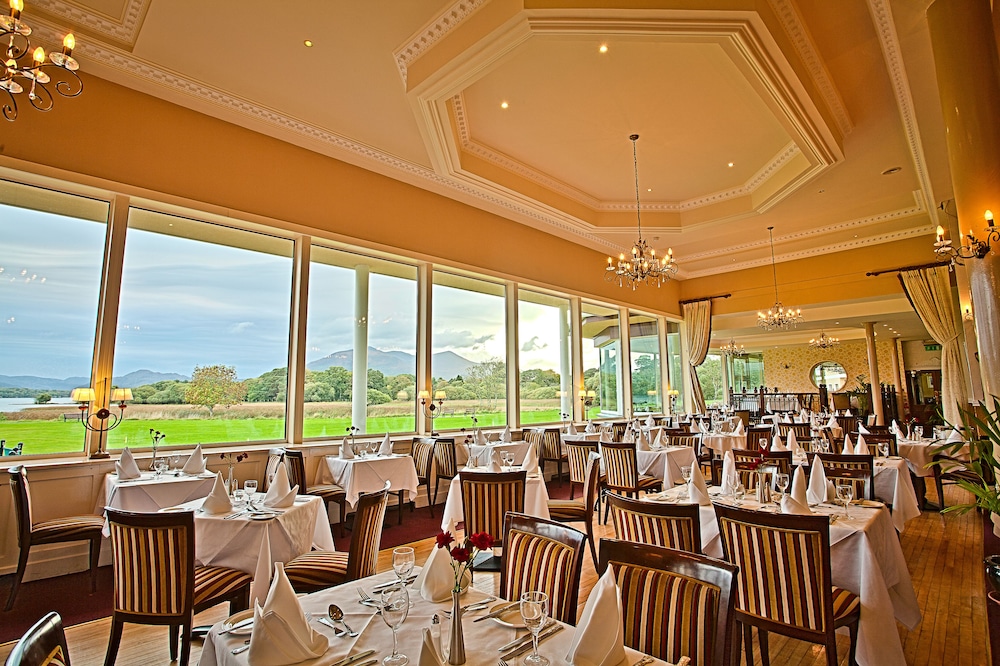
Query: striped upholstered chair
point(157, 582)
point(621, 473)
point(676, 526)
point(330, 493)
point(59, 530)
point(545, 556)
point(749, 461)
point(858, 469)
point(445, 463)
point(572, 511)
point(422, 452)
point(786, 587)
point(577, 454)
point(487, 497)
point(548, 444)
point(320, 569)
point(674, 603)
point(44, 644)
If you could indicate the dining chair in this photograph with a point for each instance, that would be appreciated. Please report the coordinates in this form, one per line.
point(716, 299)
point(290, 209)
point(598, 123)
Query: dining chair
point(748, 462)
point(874, 439)
point(572, 511)
point(621, 472)
point(577, 455)
point(319, 569)
point(487, 497)
point(786, 587)
point(330, 493)
point(951, 468)
point(670, 431)
point(545, 556)
point(157, 581)
point(548, 444)
point(422, 452)
point(275, 457)
point(58, 530)
point(44, 644)
point(803, 431)
point(759, 437)
point(445, 462)
point(618, 429)
point(849, 424)
point(858, 469)
point(675, 526)
point(674, 603)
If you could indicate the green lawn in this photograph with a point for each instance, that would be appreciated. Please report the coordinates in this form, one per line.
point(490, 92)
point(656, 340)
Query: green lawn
point(62, 437)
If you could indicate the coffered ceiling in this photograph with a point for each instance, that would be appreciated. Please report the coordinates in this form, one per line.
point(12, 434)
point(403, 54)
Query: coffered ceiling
point(751, 113)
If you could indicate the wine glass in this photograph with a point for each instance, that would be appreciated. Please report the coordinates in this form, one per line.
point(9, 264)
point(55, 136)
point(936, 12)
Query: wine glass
point(161, 465)
point(782, 482)
point(686, 473)
point(239, 497)
point(402, 562)
point(739, 492)
point(175, 462)
point(845, 493)
point(883, 449)
point(395, 608)
point(250, 486)
point(508, 458)
point(534, 609)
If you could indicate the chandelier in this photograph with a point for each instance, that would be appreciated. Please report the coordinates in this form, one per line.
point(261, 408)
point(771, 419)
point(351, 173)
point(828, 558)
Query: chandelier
point(643, 265)
point(975, 248)
point(30, 66)
point(733, 349)
point(824, 342)
point(778, 317)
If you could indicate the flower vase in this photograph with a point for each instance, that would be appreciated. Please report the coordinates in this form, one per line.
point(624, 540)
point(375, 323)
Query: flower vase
point(763, 491)
point(230, 481)
point(456, 639)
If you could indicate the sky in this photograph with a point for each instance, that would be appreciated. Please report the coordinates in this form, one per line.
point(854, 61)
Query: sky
point(186, 303)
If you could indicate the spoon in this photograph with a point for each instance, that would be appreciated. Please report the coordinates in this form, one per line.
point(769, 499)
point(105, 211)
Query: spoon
point(337, 615)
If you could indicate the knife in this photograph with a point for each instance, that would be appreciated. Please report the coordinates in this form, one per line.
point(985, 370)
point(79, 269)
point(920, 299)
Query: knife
point(518, 642)
point(393, 583)
point(239, 625)
point(541, 637)
point(370, 662)
point(498, 612)
point(353, 658)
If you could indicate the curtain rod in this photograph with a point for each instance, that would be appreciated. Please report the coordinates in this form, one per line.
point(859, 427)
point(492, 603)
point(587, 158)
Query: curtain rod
point(706, 298)
point(908, 268)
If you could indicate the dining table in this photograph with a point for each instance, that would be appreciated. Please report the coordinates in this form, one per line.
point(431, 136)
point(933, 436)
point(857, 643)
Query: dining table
point(721, 442)
point(483, 452)
point(482, 639)
point(536, 498)
point(665, 463)
point(151, 492)
point(369, 473)
point(865, 558)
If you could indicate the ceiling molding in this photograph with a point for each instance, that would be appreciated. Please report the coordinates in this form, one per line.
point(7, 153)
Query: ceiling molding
point(124, 29)
point(432, 31)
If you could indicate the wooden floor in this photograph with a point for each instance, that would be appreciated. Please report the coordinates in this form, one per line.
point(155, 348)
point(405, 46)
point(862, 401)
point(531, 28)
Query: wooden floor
point(944, 554)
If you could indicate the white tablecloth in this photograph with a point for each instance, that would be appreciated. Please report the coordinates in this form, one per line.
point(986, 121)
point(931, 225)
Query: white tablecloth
point(666, 463)
point(536, 500)
point(481, 638)
point(722, 442)
point(150, 494)
point(866, 559)
point(893, 485)
point(367, 475)
point(520, 449)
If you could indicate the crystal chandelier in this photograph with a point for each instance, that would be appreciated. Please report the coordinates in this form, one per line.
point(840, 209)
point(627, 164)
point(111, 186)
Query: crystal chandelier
point(824, 342)
point(974, 249)
point(643, 265)
point(778, 317)
point(21, 62)
point(732, 349)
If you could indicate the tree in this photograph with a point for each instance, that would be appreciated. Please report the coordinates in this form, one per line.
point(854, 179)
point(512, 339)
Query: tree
point(488, 380)
point(269, 387)
point(376, 380)
point(213, 385)
point(43, 399)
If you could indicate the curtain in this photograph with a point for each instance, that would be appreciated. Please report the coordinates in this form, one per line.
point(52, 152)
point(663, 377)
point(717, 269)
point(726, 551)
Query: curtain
point(929, 291)
point(698, 317)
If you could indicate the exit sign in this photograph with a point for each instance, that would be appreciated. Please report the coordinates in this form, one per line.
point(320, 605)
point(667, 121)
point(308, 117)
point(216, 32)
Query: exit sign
point(932, 348)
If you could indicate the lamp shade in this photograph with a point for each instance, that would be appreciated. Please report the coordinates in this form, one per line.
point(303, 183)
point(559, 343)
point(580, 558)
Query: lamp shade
point(424, 395)
point(82, 395)
point(121, 394)
point(440, 395)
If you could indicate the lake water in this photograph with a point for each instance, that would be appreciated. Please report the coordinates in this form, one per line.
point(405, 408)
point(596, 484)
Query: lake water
point(19, 404)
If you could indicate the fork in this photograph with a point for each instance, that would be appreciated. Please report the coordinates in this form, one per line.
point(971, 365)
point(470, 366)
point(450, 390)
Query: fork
point(501, 663)
point(365, 598)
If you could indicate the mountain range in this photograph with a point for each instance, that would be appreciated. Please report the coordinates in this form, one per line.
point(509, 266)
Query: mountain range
point(444, 364)
point(132, 379)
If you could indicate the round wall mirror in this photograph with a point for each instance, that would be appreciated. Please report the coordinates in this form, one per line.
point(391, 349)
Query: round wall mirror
point(830, 373)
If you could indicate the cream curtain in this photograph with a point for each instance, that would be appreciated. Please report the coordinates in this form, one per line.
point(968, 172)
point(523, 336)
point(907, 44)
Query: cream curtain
point(698, 320)
point(929, 291)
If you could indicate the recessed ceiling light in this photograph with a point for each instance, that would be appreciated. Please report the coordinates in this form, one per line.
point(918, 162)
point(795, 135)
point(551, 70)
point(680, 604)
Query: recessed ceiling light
point(649, 189)
point(730, 165)
point(603, 48)
point(504, 105)
point(889, 172)
point(308, 43)
point(837, 322)
point(822, 191)
point(855, 235)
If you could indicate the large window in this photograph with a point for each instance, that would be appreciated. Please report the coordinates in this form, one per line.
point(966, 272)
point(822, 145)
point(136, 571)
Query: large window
point(362, 313)
point(746, 373)
point(644, 348)
point(469, 366)
point(546, 381)
point(202, 332)
point(710, 378)
point(602, 370)
point(51, 250)
point(675, 391)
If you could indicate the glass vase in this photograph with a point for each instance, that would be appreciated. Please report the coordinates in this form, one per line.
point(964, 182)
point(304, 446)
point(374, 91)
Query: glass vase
point(763, 491)
point(456, 640)
point(229, 481)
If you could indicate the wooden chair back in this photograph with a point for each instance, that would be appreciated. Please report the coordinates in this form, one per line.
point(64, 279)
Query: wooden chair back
point(676, 526)
point(759, 437)
point(578, 453)
point(22, 504)
point(859, 469)
point(369, 516)
point(802, 431)
point(422, 452)
point(44, 644)
point(620, 466)
point(487, 497)
point(874, 439)
point(444, 458)
point(295, 463)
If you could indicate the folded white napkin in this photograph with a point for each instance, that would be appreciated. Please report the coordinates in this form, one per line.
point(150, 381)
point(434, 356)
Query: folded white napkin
point(495, 465)
point(281, 632)
point(591, 428)
point(738, 430)
point(571, 429)
point(262, 574)
point(599, 639)
point(218, 500)
point(862, 430)
point(429, 655)
point(195, 463)
point(790, 505)
point(279, 494)
point(530, 463)
point(954, 436)
point(703, 427)
point(650, 422)
point(506, 437)
point(848, 445)
point(660, 441)
point(642, 442)
point(698, 489)
point(786, 419)
point(776, 444)
point(628, 437)
point(481, 438)
point(730, 479)
point(436, 579)
point(385, 448)
point(127, 468)
point(605, 437)
point(862, 447)
point(346, 450)
point(895, 429)
point(817, 482)
point(792, 443)
point(832, 423)
point(799, 492)
point(848, 413)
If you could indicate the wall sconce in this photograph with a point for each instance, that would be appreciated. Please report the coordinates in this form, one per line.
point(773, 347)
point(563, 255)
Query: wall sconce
point(671, 396)
point(106, 420)
point(428, 407)
point(973, 248)
point(967, 315)
point(586, 401)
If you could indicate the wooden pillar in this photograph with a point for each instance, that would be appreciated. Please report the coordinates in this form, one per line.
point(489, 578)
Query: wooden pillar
point(873, 374)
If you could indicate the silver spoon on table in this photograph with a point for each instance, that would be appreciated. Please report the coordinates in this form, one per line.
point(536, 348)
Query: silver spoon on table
point(337, 615)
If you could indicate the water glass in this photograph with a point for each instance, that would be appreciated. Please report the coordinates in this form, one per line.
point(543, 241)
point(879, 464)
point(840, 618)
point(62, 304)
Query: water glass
point(239, 496)
point(739, 492)
point(883, 449)
point(250, 486)
point(534, 610)
point(403, 561)
point(686, 473)
point(395, 608)
point(782, 482)
point(845, 493)
point(161, 465)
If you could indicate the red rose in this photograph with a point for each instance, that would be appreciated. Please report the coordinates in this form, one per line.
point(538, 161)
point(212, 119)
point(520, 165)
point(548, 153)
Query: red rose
point(460, 554)
point(481, 540)
point(444, 539)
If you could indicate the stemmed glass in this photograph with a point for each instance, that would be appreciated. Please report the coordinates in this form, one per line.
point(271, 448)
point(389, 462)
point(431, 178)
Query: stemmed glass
point(845, 493)
point(395, 608)
point(534, 610)
point(739, 492)
point(686, 474)
point(508, 458)
point(161, 465)
point(883, 449)
point(782, 481)
point(250, 486)
point(403, 561)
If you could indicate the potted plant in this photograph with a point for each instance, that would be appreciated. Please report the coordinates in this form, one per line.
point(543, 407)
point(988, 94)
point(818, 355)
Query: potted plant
point(980, 467)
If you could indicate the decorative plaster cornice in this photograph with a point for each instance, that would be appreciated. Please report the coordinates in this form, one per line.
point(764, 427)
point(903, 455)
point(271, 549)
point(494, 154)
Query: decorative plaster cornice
point(432, 31)
point(123, 31)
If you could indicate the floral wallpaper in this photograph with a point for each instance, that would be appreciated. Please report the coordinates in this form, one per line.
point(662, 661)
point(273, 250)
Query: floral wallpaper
point(788, 367)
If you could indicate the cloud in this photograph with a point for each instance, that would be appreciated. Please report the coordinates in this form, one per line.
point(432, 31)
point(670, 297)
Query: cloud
point(240, 327)
point(452, 339)
point(533, 345)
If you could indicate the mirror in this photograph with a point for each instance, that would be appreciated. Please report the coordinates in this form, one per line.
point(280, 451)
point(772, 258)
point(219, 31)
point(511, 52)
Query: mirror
point(830, 373)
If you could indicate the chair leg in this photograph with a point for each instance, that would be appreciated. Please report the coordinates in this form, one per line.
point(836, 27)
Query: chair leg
point(559, 471)
point(572, 489)
point(186, 642)
point(95, 561)
point(748, 643)
point(22, 565)
point(853, 629)
point(765, 654)
point(437, 483)
point(174, 632)
point(343, 516)
point(940, 489)
point(399, 515)
point(113, 642)
point(590, 538)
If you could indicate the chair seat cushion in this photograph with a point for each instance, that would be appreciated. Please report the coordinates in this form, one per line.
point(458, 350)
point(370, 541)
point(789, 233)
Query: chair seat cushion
point(567, 510)
point(317, 569)
point(69, 528)
point(328, 491)
point(845, 603)
point(217, 583)
point(647, 482)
